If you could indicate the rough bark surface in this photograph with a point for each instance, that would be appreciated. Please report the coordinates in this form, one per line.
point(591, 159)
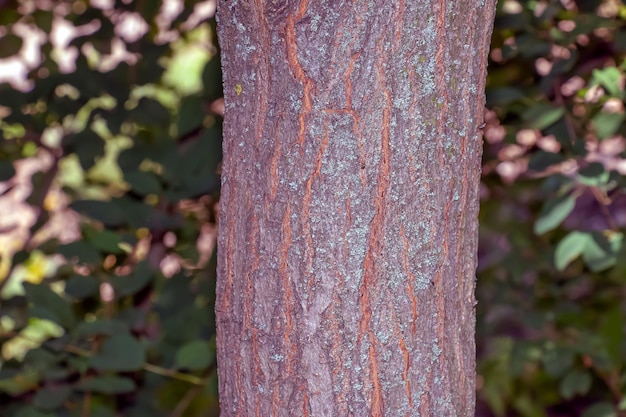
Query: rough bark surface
point(348, 214)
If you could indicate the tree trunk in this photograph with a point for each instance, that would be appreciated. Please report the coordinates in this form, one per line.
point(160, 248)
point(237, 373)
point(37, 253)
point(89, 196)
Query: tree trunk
point(348, 214)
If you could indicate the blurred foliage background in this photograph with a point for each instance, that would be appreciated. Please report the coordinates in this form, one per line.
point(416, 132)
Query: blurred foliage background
point(110, 113)
point(111, 124)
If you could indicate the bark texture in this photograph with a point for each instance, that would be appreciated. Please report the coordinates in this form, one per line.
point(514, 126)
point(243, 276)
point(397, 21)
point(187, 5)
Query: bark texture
point(348, 215)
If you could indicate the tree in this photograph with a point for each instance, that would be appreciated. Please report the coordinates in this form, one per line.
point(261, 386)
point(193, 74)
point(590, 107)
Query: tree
point(348, 213)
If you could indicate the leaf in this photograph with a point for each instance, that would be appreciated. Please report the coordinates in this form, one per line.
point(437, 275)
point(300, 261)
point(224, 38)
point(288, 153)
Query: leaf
point(541, 160)
point(47, 304)
point(105, 240)
point(43, 19)
point(9, 16)
point(570, 248)
point(542, 116)
point(106, 384)
point(101, 327)
point(133, 283)
point(121, 353)
point(143, 183)
point(80, 287)
point(609, 78)
point(190, 115)
point(7, 171)
point(601, 250)
point(87, 145)
point(553, 213)
point(138, 215)
point(150, 112)
point(600, 410)
point(10, 45)
point(105, 211)
point(503, 95)
point(575, 382)
point(49, 398)
point(82, 251)
point(195, 356)
point(607, 124)
point(593, 175)
point(42, 359)
point(557, 361)
point(611, 332)
point(29, 411)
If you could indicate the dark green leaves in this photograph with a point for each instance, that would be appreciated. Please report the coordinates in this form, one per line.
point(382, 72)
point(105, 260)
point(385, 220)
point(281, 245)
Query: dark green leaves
point(610, 78)
point(47, 304)
point(6, 170)
point(121, 353)
point(575, 383)
point(570, 248)
point(599, 251)
point(129, 285)
point(10, 45)
point(196, 355)
point(52, 397)
point(602, 409)
point(105, 211)
point(554, 212)
point(106, 384)
point(122, 147)
point(143, 183)
point(542, 116)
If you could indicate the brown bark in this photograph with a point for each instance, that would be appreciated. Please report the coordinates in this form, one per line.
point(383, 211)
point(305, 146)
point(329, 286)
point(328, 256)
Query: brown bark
point(348, 215)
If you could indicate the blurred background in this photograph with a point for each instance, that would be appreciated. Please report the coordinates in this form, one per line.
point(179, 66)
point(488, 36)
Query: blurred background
point(110, 115)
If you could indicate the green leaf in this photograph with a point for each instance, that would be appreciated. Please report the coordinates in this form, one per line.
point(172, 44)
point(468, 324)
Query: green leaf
point(41, 359)
point(7, 171)
point(195, 356)
point(80, 287)
point(106, 212)
point(542, 115)
point(575, 382)
point(9, 15)
point(611, 331)
point(101, 327)
point(570, 248)
point(105, 240)
point(133, 283)
point(557, 361)
point(593, 175)
point(503, 95)
point(121, 353)
point(47, 304)
point(600, 410)
point(150, 112)
point(607, 124)
point(601, 250)
point(88, 146)
point(609, 78)
point(43, 19)
point(51, 397)
point(190, 115)
point(143, 183)
point(29, 411)
point(106, 384)
point(554, 212)
point(541, 160)
point(83, 252)
point(10, 45)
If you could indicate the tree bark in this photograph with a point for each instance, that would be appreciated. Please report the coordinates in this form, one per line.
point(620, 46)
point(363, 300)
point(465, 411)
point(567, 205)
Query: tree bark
point(348, 213)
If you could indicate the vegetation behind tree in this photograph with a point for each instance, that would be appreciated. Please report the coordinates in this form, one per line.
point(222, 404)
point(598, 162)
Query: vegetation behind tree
point(109, 181)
